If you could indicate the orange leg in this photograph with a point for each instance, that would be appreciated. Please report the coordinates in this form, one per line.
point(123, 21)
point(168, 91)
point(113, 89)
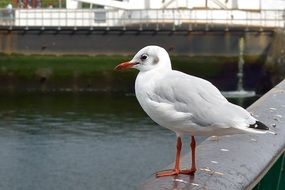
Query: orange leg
point(176, 169)
point(193, 166)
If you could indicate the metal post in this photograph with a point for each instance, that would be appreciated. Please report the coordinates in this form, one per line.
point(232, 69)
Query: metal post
point(240, 65)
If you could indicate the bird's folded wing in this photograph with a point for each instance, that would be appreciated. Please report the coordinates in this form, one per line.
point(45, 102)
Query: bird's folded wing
point(196, 97)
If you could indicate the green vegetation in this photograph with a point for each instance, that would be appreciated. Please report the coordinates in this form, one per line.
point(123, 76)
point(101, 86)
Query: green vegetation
point(205, 66)
point(4, 3)
point(63, 72)
point(66, 66)
point(44, 3)
point(96, 72)
point(58, 66)
point(54, 3)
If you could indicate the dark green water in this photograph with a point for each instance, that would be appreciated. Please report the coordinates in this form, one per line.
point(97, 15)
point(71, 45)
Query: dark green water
point(79, 141)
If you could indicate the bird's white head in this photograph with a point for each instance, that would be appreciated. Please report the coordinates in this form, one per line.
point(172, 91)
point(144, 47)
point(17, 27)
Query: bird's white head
point(148, 58)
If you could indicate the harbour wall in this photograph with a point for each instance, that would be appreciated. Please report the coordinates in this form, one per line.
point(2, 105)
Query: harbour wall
point(267, 48)
point(85, 42)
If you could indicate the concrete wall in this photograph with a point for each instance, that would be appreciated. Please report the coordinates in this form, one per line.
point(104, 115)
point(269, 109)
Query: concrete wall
point(275, 62)
point(118, 42)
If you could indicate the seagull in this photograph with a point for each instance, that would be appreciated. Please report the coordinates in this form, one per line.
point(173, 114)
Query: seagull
point(185, 104)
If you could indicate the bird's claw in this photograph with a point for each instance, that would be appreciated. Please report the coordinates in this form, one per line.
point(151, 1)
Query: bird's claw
point(174, 172)
point(166, 173)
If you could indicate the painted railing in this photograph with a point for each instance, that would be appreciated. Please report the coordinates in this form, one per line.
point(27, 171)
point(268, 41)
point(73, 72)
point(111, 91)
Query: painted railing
point(240, 161)
point(123, 18)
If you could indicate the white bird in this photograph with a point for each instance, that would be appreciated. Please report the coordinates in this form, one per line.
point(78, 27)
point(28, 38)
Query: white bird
point(185, 104)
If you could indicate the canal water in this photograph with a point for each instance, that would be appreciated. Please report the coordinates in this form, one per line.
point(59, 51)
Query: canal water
point(83, 141)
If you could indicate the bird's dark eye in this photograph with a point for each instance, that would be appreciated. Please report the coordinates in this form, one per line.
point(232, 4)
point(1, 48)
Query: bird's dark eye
point(144, 57)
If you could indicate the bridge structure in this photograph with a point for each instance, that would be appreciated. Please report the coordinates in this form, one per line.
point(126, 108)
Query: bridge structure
point(188, 27)
point(148, 15)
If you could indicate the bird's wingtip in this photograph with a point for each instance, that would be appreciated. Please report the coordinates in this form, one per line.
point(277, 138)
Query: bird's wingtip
point(261, 128)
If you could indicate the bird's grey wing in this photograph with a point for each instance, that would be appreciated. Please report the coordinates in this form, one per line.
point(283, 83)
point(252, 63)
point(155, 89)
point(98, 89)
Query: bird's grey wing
point(198, 98)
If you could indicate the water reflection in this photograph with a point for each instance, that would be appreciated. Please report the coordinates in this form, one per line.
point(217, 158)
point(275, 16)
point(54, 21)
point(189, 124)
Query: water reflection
point(79, 141)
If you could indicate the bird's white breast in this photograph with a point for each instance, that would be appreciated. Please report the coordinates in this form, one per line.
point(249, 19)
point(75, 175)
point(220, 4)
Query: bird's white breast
point(162, 113)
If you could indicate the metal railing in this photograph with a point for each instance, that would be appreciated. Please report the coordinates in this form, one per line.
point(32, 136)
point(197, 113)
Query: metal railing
point(124, 18)
point(249, 160)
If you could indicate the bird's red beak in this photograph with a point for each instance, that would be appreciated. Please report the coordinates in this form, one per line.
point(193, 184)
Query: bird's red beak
point(124, 65)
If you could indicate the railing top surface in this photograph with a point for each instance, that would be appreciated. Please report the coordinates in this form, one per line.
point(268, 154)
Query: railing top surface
point(180, 9)
point(235, 162)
